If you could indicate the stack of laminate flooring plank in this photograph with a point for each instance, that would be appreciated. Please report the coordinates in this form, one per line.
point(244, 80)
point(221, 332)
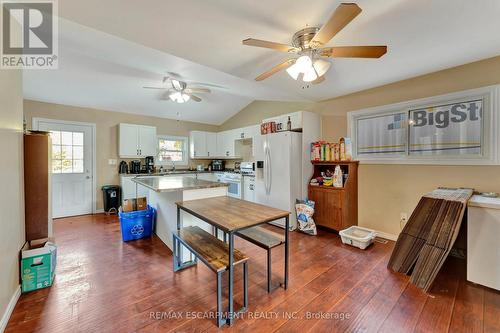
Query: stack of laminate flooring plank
point(428, 236)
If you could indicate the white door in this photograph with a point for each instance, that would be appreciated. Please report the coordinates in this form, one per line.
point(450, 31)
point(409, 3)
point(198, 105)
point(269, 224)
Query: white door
point(72, 167)
point(147, 141)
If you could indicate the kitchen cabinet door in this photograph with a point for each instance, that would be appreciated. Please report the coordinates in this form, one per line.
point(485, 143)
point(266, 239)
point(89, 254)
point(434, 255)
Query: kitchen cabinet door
point(128, 142)
point(198, 144)
point(211, 142)
point(147, 141)
point(228, 143)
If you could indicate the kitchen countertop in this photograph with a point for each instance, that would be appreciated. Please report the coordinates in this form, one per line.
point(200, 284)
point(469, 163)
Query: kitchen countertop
point(172, 184)
point(165, 173)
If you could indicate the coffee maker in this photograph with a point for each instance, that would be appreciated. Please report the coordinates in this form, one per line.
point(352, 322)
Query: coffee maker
point(135, 166)
point(123, 167)
point(149, 164)
point(218, 165)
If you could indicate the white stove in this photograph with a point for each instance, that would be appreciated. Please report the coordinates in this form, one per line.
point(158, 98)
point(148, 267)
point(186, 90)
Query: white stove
point(234, 180)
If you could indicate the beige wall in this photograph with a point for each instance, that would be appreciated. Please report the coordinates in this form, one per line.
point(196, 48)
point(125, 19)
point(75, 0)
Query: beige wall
point(254, 112)
point(385, 191)
point(12, 194)
point(107, 132)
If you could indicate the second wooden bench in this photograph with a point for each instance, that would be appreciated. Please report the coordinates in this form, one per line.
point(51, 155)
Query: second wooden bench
point(213, 253)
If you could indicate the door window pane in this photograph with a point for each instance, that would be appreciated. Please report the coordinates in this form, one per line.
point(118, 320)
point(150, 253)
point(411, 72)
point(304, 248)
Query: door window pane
point(67, 166)
point(78, 152)
point(67, 152)
point(77, 139)
point(66, 138)
point(56, 137)
point(78, 166)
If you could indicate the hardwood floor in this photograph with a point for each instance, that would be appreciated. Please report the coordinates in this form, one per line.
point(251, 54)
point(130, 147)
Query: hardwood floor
point(105, 285)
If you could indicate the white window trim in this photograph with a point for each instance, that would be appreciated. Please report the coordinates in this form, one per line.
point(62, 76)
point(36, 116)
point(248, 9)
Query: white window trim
point(185, 151)
point(491, 126)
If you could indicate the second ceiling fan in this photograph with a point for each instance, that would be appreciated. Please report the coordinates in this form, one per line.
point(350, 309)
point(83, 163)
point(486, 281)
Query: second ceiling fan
point(309, 43)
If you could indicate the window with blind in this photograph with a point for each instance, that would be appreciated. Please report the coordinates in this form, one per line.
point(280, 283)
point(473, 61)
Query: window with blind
point(172, 149)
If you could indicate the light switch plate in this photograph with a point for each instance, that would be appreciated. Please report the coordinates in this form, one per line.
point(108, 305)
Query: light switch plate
point(112, 161)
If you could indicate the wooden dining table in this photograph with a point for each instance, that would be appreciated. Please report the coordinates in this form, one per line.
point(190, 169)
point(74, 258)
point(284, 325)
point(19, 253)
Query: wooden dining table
point(232, 215)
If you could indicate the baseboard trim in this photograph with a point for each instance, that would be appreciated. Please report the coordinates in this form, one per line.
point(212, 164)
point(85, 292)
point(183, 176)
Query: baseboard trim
point(10, 308)
point(99, 211)
point(386, 235)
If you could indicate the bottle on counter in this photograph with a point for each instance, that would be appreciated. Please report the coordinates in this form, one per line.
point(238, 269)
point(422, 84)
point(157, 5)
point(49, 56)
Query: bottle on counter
point(289, 124)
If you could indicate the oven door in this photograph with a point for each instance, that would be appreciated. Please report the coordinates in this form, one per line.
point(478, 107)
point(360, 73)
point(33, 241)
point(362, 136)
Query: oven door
point(234, 188)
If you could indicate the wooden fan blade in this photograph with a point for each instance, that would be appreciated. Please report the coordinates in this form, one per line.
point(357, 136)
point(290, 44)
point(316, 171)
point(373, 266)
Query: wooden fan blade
point(197, 90)
point(275, 69)
point(195, 98)
point(319, 80)
point(162, 88)
point(344, 14)
point(269, 45)
point(354, 51)
point(211, 85)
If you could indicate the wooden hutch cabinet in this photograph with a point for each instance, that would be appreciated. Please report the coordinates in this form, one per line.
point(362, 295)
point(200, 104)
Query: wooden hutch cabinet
point(336, 208)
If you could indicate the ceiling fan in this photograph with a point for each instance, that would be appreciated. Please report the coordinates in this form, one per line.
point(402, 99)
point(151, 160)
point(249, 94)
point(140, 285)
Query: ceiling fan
point(309, 43)
point(178, 91)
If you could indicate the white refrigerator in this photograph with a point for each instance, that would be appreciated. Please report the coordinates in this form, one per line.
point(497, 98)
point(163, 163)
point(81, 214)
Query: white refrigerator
point(278, 173)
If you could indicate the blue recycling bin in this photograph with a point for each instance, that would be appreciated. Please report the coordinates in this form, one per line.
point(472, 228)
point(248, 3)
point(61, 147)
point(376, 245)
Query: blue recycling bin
point(138, 224)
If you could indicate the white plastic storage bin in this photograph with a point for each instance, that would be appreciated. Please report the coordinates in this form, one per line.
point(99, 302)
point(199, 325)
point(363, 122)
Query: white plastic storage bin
point(357, 236)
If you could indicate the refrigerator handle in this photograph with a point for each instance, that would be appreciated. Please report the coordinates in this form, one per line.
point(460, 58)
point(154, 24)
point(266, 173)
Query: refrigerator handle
point(270, 177)
point(266, 170)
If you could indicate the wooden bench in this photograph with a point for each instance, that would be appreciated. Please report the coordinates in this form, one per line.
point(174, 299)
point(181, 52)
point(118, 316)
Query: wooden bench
point(265, 239)
point(213, 253)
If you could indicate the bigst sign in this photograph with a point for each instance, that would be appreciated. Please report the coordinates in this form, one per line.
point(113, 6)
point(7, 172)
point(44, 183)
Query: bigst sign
point(441, 116)
point(453, 128)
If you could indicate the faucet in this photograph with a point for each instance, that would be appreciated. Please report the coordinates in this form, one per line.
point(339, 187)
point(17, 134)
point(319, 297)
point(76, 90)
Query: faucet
point(173, 165)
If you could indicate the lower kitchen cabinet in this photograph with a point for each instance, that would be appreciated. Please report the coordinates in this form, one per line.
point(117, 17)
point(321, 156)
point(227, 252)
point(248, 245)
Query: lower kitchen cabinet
point(129, 189)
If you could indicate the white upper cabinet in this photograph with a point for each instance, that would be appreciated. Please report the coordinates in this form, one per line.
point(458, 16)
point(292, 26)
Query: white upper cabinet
point(202, 144)
point(147, 141)
point(198, 144)
point(218, 145)
point(211, 139)
point(136, 141)
point(225, 143)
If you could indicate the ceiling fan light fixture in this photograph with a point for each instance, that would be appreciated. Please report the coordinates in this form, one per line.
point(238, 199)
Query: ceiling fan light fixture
point(321, 66)
point(310, 75)
point(293, 71)
point(179, 97)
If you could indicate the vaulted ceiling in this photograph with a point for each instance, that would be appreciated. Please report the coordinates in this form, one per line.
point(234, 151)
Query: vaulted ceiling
point(110, 49)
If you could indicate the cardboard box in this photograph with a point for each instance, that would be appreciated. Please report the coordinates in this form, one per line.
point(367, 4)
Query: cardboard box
point(38, 265)
point(132, 205)
point(142, 204)
point(128, 205)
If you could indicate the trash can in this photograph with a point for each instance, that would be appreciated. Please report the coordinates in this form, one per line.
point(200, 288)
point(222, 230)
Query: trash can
point(111, 198)
point(138, 224)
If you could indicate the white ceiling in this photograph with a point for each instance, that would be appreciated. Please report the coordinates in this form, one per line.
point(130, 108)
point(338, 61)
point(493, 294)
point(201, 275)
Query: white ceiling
point(133, 43)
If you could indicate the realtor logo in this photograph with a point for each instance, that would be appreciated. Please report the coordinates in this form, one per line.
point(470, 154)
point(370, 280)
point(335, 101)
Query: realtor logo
point(29, 34)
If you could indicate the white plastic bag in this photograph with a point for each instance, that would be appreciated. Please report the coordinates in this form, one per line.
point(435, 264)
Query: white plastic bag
point(304, 211)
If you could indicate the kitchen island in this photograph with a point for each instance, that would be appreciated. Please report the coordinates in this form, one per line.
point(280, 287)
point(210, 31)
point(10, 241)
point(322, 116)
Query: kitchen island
point(165, 191)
